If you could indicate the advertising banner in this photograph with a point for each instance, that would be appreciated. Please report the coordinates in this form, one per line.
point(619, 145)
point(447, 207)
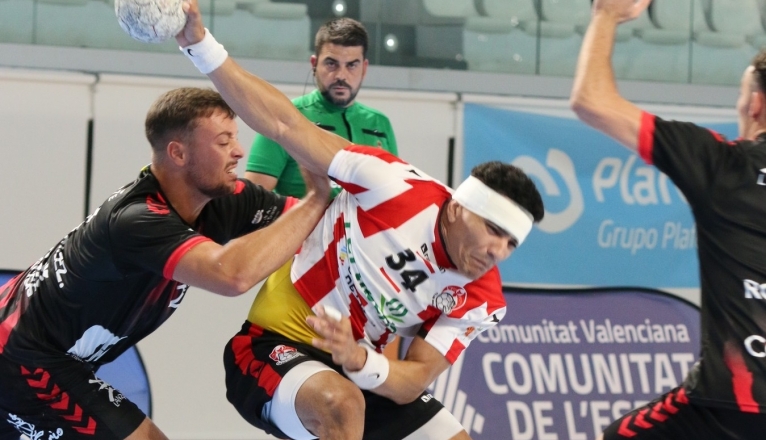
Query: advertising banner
point(610, 218)
point(562, 365)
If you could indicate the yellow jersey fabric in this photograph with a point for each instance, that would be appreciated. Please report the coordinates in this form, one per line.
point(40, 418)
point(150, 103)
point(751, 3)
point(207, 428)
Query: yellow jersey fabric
point(279, 308)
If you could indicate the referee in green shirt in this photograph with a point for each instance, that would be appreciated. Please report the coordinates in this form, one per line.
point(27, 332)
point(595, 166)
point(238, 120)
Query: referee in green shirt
point(339, 64)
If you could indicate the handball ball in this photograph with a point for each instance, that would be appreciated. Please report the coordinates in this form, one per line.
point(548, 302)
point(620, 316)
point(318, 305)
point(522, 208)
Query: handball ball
point(150, 21)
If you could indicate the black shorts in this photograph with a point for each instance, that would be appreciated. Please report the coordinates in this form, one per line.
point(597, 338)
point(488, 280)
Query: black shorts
point(66, 400)
point(673, 417)
point(252, 376)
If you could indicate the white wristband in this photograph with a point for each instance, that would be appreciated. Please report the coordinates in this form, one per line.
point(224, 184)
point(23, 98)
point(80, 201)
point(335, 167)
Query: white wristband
point(207, 55)
point(373, 373)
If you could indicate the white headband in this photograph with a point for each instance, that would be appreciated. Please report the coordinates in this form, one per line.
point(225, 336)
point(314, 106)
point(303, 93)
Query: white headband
point(485, 202)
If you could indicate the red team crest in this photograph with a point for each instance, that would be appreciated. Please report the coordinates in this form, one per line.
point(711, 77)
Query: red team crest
point(451, 298)
point(283, 353)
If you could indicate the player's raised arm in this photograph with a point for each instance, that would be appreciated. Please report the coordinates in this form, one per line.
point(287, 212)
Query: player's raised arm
point(595, 98)
point(264, 108)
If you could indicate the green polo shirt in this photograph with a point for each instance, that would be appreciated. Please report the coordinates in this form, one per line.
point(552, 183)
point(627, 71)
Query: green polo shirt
point(358, 123)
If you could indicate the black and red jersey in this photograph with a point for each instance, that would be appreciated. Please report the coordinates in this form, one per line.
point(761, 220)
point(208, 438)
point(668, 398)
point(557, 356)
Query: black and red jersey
point(725, 185)
point(109, 283)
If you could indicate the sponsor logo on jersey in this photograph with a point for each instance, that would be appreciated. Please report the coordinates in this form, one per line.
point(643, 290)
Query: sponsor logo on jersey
point(258, 217)
point(59, 267)
point(30, 431)
point(488, 322)
point(762, 177)
point(283, 353)
point(451, 298)
point(753, 290)
point(182, 288)
point(755, 345)
point(156, 204)
point(343, 254)
point(116, 194)
point(115, 396)
point(94, 343)
point(389, 312)
point(427, 256)
point(270, 214)
point(469, 331)
point(40, 270)
point(424, 251)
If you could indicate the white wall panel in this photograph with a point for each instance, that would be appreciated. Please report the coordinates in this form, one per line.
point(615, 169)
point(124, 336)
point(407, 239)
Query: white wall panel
point(44, 125)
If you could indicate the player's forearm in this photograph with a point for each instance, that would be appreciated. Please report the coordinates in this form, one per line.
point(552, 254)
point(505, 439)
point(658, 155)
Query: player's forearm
point(406, 381)
point(594, 83)
point(595, 98)
point(251, 258)
point(402, 381)
point(267, 111)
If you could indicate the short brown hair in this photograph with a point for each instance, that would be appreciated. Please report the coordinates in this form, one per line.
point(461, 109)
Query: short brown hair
point(342, 31)
point(175, 114)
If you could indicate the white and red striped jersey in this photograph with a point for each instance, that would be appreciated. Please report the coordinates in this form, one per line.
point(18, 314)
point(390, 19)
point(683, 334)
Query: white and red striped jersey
point(378, 257)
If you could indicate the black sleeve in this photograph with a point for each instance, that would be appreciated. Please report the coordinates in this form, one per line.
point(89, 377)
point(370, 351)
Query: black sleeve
point(250, 207)
point(147, 238)
point(690, 155)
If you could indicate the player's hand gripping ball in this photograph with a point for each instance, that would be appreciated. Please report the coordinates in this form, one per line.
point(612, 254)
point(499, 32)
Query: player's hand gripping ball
point(150, 21)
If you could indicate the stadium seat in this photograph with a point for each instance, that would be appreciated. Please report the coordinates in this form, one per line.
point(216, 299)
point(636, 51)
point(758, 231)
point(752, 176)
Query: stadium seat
point(627, 45)
point(720, 49)
point(560, 40)
point(451, 12)
point(659, 50)
point(16, 21)
point(758, 40)
point(86, 23)
point(262, 29)
point(452, 8)
point(505, 40)
point(64, 2)
point(217, 7)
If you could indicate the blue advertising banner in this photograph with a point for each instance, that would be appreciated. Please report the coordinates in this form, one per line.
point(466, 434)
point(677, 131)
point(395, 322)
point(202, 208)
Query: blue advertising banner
point(565, 364)
point(126, 373)
point(610, 218)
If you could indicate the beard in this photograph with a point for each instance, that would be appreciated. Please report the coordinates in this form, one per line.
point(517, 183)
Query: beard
point(340, 102)
point(201, 180)
point(215, 191)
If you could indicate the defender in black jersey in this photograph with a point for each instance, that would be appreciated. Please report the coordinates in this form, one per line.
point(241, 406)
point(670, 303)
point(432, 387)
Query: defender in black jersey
point(724, 395)
point(186, 221)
